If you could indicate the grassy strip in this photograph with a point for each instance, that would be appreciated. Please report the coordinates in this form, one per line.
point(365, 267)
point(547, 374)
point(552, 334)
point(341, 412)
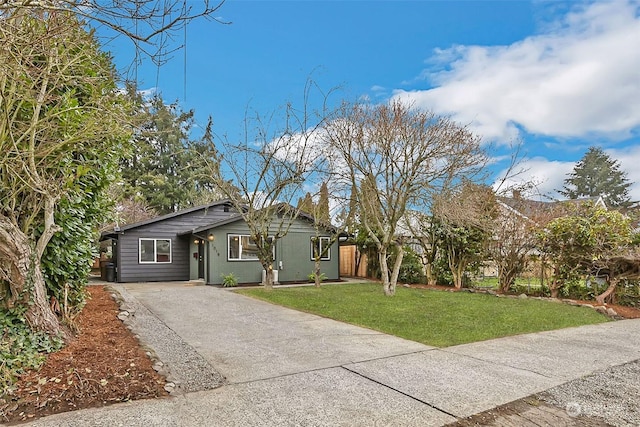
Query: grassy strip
point(436, 318)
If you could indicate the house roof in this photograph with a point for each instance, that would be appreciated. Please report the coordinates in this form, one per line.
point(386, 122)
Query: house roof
point(238, 217)
point(229, 220)
point(116, 230)
point(533, 209)
point(232, 218)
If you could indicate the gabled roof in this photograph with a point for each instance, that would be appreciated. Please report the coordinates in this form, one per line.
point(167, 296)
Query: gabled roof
point(229, 220)
point(533, 209)
point(134, 225)
point(237, 217)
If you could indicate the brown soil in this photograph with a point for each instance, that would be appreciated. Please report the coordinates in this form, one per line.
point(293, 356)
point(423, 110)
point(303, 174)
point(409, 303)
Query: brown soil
point(104, 364)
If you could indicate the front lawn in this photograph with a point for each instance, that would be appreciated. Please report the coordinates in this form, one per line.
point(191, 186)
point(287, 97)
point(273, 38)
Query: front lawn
point(432, 317)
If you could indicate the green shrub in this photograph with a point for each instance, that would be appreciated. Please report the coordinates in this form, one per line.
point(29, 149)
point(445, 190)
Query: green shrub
point(532, 290)
point(411, 269)
point(20, 348)
point(229, 280)
point(628, 293)
point(312, 277)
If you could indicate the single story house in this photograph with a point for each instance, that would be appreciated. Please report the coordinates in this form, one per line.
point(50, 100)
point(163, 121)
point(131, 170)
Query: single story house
point(208, 242)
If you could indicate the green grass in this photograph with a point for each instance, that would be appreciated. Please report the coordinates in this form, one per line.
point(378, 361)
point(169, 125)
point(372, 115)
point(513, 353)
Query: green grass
point(492, 282)
point(436, 318)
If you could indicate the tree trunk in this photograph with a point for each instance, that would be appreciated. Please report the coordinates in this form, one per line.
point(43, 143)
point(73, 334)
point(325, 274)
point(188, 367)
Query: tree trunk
point(396, 269)
point(506, 278)
point(613, 282)
point(457, 271)
point(554, 288)
point(358, 262)
point(429, 274)
point(316, 272)
point(268, 277)
point(384, 273)
point(26, 283)
point(457, 277)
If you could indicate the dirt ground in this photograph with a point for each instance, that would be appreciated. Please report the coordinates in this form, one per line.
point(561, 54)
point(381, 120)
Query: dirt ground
point(104, 364)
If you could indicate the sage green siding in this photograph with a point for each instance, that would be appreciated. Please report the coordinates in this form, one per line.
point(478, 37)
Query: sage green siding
point(292, 259)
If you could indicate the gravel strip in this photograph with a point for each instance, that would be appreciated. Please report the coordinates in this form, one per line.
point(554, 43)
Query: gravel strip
point(186, 371)
point(613, 395)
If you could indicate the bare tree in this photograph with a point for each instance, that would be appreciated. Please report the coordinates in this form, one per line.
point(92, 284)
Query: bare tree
point(397, 156)
point(330, 220)
point(514, 238)
point(151, 25)
point(464, 219)
point(264, 175)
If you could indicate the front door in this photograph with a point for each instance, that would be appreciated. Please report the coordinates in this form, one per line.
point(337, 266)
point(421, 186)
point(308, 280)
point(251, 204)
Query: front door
point(201, 260)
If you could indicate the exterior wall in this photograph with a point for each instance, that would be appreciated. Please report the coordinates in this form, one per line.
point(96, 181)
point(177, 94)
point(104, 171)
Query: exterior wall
point(129, 268)
point(293, 256)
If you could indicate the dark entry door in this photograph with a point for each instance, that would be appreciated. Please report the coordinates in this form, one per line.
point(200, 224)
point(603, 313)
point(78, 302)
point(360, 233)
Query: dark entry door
point(201, 260)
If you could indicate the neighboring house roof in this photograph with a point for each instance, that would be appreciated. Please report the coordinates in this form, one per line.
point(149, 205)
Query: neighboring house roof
point(534, 209)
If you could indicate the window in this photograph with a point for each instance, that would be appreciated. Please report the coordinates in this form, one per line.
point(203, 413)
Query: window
point(152, 251)
point(318, 246)
point(243, 248)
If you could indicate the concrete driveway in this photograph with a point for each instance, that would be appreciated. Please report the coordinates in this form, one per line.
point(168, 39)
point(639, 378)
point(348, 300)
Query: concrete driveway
point(287, 368)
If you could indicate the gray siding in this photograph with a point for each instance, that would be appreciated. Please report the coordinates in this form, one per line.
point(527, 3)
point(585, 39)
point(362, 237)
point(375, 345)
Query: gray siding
point(293, 250)
point(130, 270)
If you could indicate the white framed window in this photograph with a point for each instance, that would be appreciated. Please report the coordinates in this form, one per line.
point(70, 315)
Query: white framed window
point(318, 246)
point(241, 247)
point(154, 251)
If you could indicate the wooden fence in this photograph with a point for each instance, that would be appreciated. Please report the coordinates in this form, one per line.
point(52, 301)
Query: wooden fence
point(348, 256)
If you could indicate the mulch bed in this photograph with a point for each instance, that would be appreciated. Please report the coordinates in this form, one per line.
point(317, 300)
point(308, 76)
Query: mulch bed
point(104, 364)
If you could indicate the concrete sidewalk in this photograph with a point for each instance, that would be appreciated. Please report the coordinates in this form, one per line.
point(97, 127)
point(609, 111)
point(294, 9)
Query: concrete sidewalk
point(287, 368)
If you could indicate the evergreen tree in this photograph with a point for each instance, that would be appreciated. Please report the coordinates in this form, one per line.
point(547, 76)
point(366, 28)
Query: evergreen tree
point(597, 174)
point(306, 204)
point(323, 205)
point(166, 167)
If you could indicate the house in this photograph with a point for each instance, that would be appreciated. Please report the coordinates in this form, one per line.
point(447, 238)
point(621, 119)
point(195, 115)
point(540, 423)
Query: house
point(210, 241)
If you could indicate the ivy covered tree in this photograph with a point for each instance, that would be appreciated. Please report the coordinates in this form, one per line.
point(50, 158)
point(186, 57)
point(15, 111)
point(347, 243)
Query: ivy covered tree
point(165, 168)
point(595, 175)
point(62, 129)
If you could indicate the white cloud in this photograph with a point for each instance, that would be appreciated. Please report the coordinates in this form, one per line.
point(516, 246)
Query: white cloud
point(629, 159)
point(580, 77)
point(549, 175)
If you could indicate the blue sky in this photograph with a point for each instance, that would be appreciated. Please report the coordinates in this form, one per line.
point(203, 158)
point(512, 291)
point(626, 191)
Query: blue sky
point(559, 76)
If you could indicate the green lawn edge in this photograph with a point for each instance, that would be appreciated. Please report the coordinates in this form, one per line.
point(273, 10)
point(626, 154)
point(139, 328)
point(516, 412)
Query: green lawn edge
point(432, 317)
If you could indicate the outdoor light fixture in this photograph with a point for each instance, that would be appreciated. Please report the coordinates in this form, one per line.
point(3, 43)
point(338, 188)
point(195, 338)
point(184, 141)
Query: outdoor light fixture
point(210, 237)
point(196, 241)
